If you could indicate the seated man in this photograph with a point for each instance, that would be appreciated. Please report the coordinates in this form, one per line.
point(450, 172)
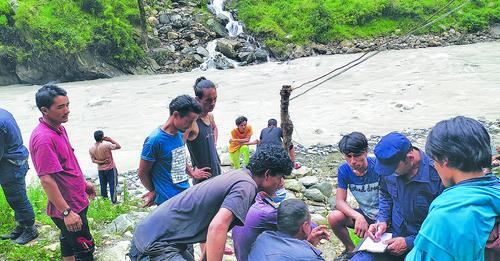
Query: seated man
point(460, 220)
point(207, 211)
point(238, 144)
point(295, 238)
point(408, 184)
point(357, 174)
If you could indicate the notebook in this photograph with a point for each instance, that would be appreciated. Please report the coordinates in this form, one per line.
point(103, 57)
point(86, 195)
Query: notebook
point(375, 247)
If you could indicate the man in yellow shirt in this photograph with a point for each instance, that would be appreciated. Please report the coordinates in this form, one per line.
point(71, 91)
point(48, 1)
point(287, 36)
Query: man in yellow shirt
point(240, 139)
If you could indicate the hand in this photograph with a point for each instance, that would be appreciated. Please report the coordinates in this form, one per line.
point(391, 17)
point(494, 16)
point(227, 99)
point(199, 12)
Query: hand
point(203, 173)
point(149, 199)
point(107, 161)
point(396, 246)
point(318, 233)
point(106, 138)
point(73, 222)
point(361, 226)
point(90, 190)
point(376, 230)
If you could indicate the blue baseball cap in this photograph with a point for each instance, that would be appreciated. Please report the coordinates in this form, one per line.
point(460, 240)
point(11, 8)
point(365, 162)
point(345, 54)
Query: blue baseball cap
point(390, 150)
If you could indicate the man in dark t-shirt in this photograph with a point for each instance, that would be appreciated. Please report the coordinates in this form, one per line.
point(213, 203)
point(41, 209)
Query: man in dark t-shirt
point(207, 211)
point(272, 135)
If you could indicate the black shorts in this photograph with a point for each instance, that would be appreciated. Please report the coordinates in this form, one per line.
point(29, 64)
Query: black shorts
point(369, 220)
point(79, 244)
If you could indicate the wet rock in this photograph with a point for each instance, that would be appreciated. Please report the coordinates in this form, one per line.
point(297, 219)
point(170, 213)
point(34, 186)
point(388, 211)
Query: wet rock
point(261, 55)
point(216, 27)
point(309, 181)
point(202, 51)
point(314, 194)
point(325, 187)
point(247, 57)
point(198, 58)
point(222, 63)
point(227, 48)
point(294, 185)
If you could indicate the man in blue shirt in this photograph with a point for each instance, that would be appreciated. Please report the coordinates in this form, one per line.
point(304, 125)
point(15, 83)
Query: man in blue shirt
point(163, 169)
point(408, 185)
point(462, 217)
point(13, 168)
point(359, 176)
point(295, 238)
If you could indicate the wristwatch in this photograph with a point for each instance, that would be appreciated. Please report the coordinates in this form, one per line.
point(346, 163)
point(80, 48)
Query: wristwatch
point(66, 212)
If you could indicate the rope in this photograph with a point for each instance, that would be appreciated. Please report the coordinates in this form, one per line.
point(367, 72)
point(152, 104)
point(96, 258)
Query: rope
point(362, 58)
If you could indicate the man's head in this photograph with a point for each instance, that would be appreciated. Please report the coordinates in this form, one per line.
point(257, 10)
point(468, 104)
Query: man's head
point(53, 103)
point(184, 110)
point(206, 94)
point(354, 147)
point(241, 122)
point(394, 155)
point(268, 166)
point(460, 144)
point(98, 135)
point(294, 218)
point(272, 123)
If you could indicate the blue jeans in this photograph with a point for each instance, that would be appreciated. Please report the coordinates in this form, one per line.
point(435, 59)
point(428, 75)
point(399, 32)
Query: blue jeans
point(14, 188)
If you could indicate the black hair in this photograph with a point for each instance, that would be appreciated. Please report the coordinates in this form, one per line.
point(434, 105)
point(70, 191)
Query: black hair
point(45, 95)
point(292, 213)
point(270, 157)
point(184, 104)
point(463, 142)
point(201, 84)
point(98, 135)
point(354, 142)
point(272, 122)
point(240, 120)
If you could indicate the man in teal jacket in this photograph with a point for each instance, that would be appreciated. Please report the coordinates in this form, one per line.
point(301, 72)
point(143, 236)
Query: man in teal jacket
point(462, 217)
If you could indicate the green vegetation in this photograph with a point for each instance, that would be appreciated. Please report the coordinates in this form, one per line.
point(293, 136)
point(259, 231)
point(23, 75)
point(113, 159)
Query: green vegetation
point(323, 21)
point(65, 27)
point(100, 213)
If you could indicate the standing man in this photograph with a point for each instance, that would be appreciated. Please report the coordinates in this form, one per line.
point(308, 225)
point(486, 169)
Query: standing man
point(60, 174)
point(201, 137)
point(359, 176)
point(461, 219)
point(272, 135)
point(162, 169)
point(408, 185)
point(13, 168)
point(100, 153)
point(207, 211)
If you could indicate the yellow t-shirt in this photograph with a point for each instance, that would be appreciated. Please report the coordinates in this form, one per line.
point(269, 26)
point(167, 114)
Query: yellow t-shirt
point(236, 134)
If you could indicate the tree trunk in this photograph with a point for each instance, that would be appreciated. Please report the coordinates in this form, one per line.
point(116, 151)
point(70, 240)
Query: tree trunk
point(143, 23)
point(286, 123)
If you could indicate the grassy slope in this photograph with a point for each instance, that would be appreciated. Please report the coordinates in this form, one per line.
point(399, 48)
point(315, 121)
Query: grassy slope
point(71, 26)
point(100, 213)
point(323, 21)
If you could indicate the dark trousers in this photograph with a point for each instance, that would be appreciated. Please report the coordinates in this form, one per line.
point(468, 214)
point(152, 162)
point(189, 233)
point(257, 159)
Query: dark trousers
point(163, 251)
point(14, 188)
point(79, 244)
point(110, 177)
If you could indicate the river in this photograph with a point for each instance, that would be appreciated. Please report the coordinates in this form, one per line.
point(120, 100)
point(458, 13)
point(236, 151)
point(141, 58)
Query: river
point(392, 91)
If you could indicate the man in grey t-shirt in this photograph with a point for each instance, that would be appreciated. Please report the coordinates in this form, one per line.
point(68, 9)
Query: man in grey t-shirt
point(207, 211)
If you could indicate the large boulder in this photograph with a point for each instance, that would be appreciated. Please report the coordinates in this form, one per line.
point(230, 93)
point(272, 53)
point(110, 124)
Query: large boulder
point(7, 72)
point(294, 185)
point(218, 28)
point(314, 194)
point(125, 222)
point(227, 48)
point(247, 57)
point(261, 55)
point(115, 251)
point(309, 181)
point(325, 187)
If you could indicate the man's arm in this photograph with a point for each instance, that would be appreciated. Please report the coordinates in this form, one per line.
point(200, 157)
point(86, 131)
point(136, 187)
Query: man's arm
point(385, 203)
point(94, 160)
point(214, 128)
point(117, 145)
point(73, 221)
point(2, 144)
point(144, 173)
point(217, 234)
point(342, 206)
point(190, 133)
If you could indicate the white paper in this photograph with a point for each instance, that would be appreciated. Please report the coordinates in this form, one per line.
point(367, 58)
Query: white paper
point(375, 247)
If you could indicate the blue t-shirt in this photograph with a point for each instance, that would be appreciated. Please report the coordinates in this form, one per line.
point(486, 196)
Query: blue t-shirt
point(168, 155)
point(459, 222)
point(278, 246)
point(364, 189)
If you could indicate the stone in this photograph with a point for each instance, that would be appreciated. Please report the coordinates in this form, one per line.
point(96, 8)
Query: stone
point(164, 19)
point(227, 48)
point(247, 57)
point(495, 30)
point(325, 187)
point(225, 159)
point(172, 35)
point(119, 225)
point(261, 55)
point(202, 51)
point(218, 28)
point(302, 171)
point(309, 181)
point(314, 194)
point(332, 201)
point(52, 247)
point(175, 18)
point(222, 63)
point(198, 58)
point(153, 20)
point(319, 219)
point(294, 185)
point(115, 251)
